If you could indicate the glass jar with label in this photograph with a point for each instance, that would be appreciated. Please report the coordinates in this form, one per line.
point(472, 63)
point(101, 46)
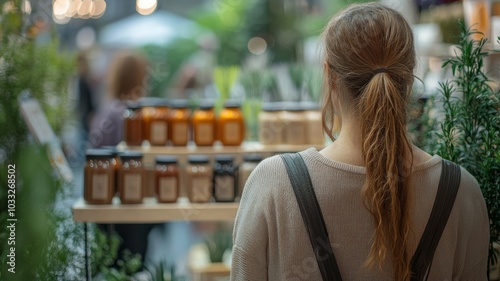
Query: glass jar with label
point(225, 179)
point(179, 122)
point(230, 125)
point(167, 179)
point(158, 124)
point(133, 125)
point(199, 179)
point(131, 178)
point(148, 111)
point(99, 177)
point(271, 126)
point(314, 127)
point(204, 130)
point(246, 168)
point(115, 162)
point(295, 124)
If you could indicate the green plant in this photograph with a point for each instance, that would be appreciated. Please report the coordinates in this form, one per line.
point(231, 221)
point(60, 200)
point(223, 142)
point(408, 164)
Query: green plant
point(469, 133)
point(104, 252)
point(164, 272)
point(217, 244)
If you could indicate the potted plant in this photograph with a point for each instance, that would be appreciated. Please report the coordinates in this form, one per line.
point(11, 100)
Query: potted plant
point(469, 132)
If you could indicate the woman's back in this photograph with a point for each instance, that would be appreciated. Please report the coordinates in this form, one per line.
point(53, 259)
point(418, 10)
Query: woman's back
point(271, 242)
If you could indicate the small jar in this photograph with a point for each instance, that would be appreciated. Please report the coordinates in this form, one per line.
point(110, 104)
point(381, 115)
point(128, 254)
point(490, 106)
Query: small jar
point(133, 125)
point(99, 177)
point(295, 124)
point(148, 111)
point(131, 178)
point(179, 122)
point(159, 124)
point(116, 163)
point(271, 126)
point(167, 179)
point(225, 179)
point(314, 127)
point(204, 130)
point(199, 179)
point(246, 168)
point(231, 125)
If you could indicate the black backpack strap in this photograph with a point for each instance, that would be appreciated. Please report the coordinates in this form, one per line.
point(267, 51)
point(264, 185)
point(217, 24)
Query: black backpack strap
point(311, 215)
point(443, 204)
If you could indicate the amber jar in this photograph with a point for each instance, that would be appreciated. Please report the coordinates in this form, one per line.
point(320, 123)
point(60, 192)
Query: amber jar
point(204, 130)
point(131, 178)
point(179, 119)
point(156, 123)
point(148, 111)
point(295, 122)
point(167, 179)
point(271, 126)
point(231, 125)
point(199, 179)
point(99, 177)
point(314, 127)
point(115, 161)
point(133, 125)
point(225, 179)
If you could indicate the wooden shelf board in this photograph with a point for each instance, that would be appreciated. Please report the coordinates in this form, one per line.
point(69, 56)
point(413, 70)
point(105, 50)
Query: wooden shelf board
point(150, 211)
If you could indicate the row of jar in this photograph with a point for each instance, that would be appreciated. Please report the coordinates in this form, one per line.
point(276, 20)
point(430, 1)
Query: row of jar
point(296, 123)
point(108, 175)
point(161, 122)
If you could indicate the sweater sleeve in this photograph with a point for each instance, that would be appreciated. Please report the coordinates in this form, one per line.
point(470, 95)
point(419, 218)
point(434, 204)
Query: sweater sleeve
point(250, 236)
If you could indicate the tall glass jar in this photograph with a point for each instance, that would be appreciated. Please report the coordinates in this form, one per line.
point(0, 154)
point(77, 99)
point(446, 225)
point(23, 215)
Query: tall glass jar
point(271, 126)
point(199, 179)
point(249, 164)
point(158, 124)
point(133, 125)
point(231, 125)
point(179, 120)
point(115, 162)
point(167, 179)
point(225, 179)
point(295, 124)
point(131, 178)
point(314, 127)
point(204, 130)
point(99, 177)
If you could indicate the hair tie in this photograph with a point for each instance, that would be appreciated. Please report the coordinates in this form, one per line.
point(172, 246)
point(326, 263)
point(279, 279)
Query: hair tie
point(380, 70)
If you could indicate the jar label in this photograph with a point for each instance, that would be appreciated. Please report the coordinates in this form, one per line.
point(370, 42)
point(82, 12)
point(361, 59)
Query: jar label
point(168, 189)
point(205, 133)
point(180, 133)
point(100, 187)
point(133, 186)
point(224, 188)
point(158, 133)
point(232, 132)
point(201, 191)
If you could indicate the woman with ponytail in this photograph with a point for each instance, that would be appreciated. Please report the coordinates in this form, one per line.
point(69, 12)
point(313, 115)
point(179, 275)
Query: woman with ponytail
point(374, 188)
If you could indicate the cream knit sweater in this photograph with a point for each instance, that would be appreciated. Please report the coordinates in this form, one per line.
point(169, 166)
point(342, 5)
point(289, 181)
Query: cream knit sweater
point(271, 242)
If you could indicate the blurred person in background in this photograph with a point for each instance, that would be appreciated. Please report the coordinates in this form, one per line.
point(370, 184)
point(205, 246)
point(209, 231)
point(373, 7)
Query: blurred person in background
point(85, 100)
point(127, 82)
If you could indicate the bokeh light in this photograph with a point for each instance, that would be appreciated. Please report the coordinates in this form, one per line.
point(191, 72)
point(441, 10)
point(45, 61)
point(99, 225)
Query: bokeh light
point(257, 45)
point(146, 7)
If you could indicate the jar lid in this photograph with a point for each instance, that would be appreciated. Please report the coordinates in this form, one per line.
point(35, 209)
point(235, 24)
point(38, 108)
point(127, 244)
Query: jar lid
point(224, 158)
point(310, 105)
point(127, 155)
point(253, 158)
point(272, 106)
point(133, 106)
point(232, 104)
point(198, 159)
point(206, 105)
point(162, 102)
point(179, 104)
point(112, 149)
point(293, 106)
point(100, 153)
point(149, 102)
point(163, 159)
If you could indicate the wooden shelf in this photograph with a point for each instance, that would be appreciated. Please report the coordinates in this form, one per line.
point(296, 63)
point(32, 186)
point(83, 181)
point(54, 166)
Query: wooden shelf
point(152, 212)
